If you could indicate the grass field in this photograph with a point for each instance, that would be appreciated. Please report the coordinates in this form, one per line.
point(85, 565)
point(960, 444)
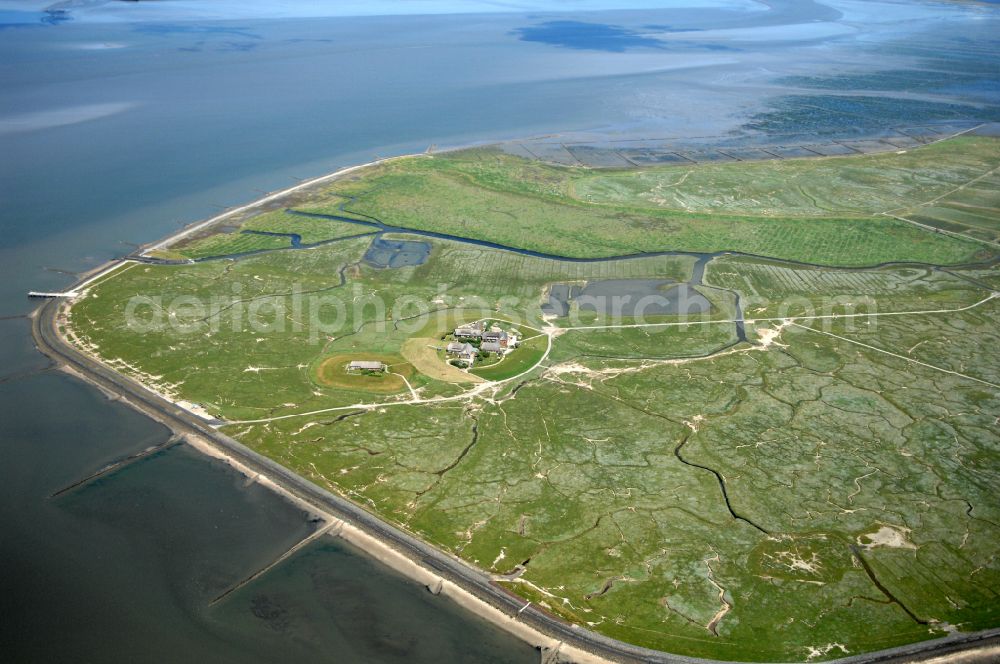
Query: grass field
point(813, 188)
point(236, 241)
point(823, 444)
point(517, 362)
point(825, 211)
point(420, 352)
point(311, 229)
point(332, 372)
point(653, 343)
point(838, 211)
point(767, 288)
point(226, 244)
point(826, 488)
point(972, 209)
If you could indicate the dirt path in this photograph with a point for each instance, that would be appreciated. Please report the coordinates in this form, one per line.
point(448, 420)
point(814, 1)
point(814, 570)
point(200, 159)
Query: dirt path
point(552, 333)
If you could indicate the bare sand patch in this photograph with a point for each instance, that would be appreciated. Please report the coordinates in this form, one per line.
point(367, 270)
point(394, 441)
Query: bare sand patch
point(895, 537)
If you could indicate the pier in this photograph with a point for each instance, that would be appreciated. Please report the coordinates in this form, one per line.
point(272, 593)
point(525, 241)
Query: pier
point(50, 295)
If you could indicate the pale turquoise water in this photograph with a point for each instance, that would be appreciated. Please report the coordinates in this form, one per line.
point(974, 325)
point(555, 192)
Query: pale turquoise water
point(117, 131)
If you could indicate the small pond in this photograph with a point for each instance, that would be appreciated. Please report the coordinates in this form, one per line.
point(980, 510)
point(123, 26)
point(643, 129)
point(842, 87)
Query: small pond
point(397, 253)
point(627, 297)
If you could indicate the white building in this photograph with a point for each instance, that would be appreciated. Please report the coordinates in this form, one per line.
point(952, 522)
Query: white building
point(366, 365)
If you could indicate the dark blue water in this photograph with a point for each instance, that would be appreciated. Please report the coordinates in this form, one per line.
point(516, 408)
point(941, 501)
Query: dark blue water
point(124, 568)
point(112, 133)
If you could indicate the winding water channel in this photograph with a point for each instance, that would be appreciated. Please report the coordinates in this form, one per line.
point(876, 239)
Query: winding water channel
point(378, 229)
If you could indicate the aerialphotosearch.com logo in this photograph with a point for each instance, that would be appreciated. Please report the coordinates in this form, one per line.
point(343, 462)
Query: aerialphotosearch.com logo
point(317, 316)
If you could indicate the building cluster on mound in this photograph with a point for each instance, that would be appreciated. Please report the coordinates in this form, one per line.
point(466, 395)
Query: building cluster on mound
point(473, 341)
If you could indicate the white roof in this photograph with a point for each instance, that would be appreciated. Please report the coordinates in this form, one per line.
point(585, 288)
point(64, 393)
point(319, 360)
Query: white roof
point(366, 364)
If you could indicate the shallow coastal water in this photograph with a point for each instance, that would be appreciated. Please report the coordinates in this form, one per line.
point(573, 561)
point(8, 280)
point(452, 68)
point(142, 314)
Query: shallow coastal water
point(115, 132)
point(124, 568)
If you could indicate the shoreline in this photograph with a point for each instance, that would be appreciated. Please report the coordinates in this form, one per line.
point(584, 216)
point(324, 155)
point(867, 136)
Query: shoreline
point(88, 277)
point(439, 572)
point(271, 196)
point(304, 184)
point(378, 540)
point(399, 563)
point(203, 438)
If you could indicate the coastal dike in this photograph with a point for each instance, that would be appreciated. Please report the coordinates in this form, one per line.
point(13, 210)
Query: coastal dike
point(441, 573)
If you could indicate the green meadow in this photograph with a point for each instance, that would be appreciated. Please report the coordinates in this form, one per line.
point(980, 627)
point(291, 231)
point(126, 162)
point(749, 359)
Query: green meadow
point(826, 487)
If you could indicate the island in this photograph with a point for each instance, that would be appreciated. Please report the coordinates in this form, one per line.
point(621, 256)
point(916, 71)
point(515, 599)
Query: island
point(742, 411)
